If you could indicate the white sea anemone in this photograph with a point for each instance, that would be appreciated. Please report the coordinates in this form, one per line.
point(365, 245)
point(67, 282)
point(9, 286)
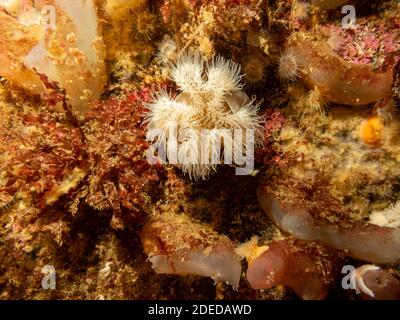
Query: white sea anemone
point(254, 65)
point(188, 73)
point(300, 10)
point(167, 51)
point(205, 114)
point(223, 76)
point(289, 68)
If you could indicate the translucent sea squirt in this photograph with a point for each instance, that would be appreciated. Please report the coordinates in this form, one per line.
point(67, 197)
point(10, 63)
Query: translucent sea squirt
point(362, 241)
point(308, 268)
point(176, 245)
point(339, 81)
point(69, 50)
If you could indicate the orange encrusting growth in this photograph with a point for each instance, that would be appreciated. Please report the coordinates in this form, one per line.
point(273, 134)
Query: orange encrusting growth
point(371, 131)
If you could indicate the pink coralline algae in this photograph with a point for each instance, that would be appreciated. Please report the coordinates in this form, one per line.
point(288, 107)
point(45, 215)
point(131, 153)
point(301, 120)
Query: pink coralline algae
point(274, 120)
point(371, 42)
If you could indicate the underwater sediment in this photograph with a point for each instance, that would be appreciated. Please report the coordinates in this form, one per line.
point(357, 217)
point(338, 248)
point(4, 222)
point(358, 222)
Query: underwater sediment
point(188, 149)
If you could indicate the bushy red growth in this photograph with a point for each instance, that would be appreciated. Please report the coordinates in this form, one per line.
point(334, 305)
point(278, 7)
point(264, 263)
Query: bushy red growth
point(39, 148)
point(120, 176)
